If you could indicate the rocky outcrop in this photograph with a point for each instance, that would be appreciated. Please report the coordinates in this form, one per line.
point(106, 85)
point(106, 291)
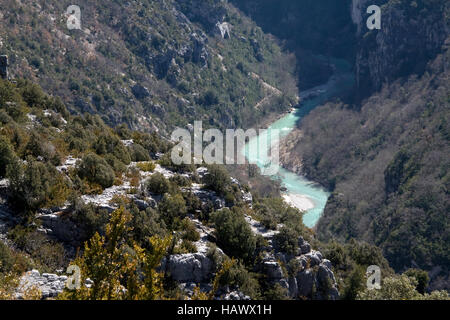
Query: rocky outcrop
point(273, 270)
point(158, 109)
point(325, 277)
point(260, 230)
point(312, 277)
point(304, 246)
point(193, 268)
point(165, 65)
point(235, 295)
point(200, 53)
point(62, 229)
point(224, 29)
point(49, 285)
point(305, 282)
point(185, 268)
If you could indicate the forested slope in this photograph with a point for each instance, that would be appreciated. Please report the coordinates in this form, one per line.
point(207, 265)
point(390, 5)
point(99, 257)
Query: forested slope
point(150, 64)
point(388, 167)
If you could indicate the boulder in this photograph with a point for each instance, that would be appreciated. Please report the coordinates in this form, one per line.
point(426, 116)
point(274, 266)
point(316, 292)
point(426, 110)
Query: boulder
point(303, 262)
point(62, 228)
point(318, 255)
point(304, 246)
point(313, 258)
point(192, 267)
point(273, 270)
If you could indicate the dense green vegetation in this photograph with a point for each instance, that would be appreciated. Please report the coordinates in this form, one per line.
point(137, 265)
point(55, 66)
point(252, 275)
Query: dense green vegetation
point(36, 134)
point(234, 234)
point(217, 179)
point(400, 288)
point(350, 262)
point(273, 211)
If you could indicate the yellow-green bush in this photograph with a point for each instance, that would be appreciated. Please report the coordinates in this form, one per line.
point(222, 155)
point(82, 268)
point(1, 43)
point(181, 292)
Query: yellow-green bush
point(146, 166)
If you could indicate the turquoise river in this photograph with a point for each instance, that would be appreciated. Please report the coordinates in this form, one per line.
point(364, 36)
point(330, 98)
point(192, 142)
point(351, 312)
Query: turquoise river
point(309, 196)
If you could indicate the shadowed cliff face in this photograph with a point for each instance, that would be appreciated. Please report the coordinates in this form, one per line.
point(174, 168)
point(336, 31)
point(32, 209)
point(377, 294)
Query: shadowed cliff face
point(322, 26)
point(309, 28)
point(412, 33)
